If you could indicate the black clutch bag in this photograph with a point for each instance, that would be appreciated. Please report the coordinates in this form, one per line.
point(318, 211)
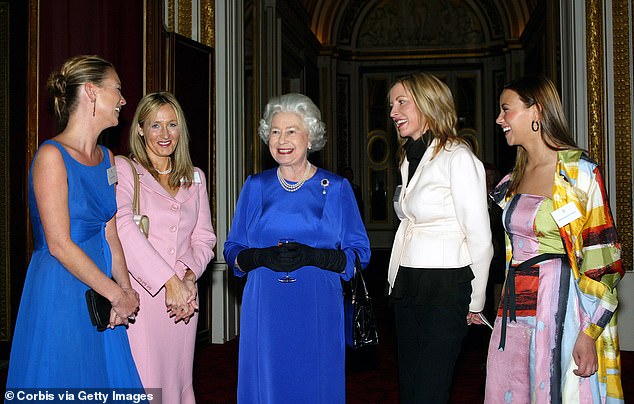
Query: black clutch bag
point(99, 309)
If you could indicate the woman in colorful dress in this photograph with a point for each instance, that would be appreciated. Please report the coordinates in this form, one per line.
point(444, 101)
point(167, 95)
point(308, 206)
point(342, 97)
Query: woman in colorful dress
point(76, 246)
point(295, 235)
point(554, 338)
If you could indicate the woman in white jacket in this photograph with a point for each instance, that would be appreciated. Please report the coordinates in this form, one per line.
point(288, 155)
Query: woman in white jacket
point(440, 259)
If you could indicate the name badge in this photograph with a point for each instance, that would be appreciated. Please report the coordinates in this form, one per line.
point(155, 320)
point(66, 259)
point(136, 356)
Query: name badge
point(112, 175)
point(566, 214)
point(196, 177)
point(397, 206)
point(397, 193)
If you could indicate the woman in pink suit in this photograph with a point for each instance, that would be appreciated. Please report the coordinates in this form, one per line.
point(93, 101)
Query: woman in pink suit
point(166, 264)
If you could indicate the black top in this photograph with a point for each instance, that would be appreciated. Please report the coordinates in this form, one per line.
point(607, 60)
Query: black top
point(414, 150)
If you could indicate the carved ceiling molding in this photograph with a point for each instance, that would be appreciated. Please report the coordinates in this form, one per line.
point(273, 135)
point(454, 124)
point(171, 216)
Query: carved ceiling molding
point(333, 21)
point(430, 24)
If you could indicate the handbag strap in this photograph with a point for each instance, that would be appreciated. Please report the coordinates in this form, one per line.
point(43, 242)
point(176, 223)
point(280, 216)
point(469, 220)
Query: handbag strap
point(358, 282)
point(135, 175)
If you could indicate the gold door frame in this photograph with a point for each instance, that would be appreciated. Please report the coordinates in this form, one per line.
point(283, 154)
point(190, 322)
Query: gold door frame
point(597, 135)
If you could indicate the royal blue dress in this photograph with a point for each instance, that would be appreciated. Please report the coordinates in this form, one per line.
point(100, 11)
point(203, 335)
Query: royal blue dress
point(292, 347)
point(55, 345)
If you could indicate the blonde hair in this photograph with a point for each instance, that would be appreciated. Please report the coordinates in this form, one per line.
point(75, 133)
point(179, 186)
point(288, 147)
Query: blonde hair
point(64, 84)
point(435, 104)
point(555, 133)
point(182, 166)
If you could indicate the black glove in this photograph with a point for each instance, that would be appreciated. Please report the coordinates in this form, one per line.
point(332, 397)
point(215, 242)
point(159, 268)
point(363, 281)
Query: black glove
point(252, 258)
point(289, 258)
point(324, 258)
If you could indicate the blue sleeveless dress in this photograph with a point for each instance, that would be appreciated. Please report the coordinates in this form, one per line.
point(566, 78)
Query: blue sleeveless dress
point(54, 344)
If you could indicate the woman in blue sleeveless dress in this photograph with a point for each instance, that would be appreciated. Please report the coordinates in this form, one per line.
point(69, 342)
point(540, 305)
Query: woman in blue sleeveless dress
point(76, 247)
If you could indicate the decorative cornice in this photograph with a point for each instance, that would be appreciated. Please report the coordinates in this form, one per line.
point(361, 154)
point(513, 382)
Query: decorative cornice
point(622, 48)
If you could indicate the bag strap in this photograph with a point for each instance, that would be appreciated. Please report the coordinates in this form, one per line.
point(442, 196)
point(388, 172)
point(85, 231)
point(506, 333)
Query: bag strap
point(135, 174)
point(358, 281)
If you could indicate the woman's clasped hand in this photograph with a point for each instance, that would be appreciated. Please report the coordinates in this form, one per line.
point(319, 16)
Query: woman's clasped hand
point(180, 298)
point(291, 256)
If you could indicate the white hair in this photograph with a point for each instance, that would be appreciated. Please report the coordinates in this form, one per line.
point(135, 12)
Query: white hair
point(302, 106)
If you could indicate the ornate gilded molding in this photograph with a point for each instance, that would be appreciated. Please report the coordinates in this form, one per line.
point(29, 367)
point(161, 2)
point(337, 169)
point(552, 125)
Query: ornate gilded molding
point(594, 56)
point(208, 23)
point(185, 18)
point(622, 48)
point(170, 15)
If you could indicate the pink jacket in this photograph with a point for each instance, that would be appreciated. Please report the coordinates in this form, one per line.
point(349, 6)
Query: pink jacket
point(181, 233)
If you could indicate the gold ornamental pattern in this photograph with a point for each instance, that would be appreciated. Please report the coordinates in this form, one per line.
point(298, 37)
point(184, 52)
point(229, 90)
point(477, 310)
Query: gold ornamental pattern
point(623, 125)
point(594, 57)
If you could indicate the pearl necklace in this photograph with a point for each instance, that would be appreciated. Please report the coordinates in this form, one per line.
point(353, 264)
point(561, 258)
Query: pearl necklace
point(293, 187)
point(169, 170)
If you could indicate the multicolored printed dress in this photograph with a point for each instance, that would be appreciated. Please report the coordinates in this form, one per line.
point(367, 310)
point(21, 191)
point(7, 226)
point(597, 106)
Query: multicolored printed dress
point(560, 281)
point(541, 296)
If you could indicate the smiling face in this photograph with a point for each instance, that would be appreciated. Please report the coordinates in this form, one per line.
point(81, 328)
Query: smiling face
point(407, 118)
point(161, 132)
point(515, 119)
point(288, 139)
point(109, 99)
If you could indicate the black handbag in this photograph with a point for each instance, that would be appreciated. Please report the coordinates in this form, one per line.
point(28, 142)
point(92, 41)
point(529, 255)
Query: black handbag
point(360, 322)
point(99, 309)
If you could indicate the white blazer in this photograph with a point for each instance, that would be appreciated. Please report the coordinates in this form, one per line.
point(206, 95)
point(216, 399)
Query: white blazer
point(444, 217)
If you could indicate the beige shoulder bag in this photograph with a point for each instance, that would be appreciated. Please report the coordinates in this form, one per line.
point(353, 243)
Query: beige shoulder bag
point(142, 221)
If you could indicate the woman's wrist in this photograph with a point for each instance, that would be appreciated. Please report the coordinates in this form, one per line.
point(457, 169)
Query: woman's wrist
point(116, 297)
point(170, 284)
point(189, 276)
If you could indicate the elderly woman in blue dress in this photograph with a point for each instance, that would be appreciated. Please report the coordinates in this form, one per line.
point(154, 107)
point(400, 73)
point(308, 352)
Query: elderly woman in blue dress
point(295, 235)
